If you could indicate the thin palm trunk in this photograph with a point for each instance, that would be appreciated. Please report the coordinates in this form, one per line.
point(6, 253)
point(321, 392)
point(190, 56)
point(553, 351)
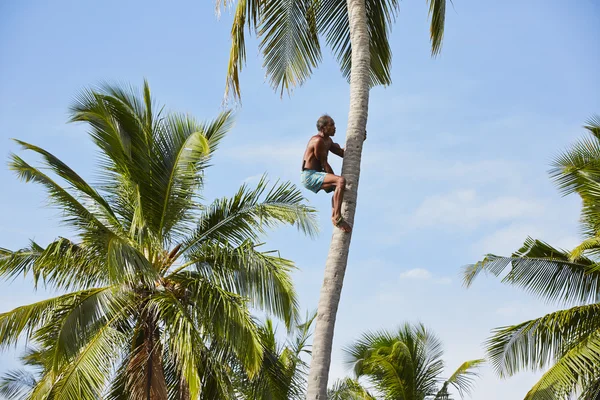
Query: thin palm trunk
point(337, 259)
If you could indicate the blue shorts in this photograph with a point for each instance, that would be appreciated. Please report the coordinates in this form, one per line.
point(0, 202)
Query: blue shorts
point(313, 180)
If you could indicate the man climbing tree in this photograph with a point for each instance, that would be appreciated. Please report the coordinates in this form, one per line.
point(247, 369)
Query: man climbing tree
point(317, 174)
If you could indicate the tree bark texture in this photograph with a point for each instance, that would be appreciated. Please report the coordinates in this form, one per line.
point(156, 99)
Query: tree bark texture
point(337, 258)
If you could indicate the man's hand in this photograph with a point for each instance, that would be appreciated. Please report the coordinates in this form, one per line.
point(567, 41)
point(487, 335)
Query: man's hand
point(365, 135)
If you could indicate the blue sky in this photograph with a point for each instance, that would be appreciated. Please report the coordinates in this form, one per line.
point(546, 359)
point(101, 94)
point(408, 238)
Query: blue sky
point(455, 165)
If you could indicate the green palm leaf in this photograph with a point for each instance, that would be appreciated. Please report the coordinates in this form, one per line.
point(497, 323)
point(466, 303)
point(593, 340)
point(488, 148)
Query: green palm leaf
point(536, 343)
point(86, 375)
point(579, 166)
point(246, 12)
point(247, 215)
point(545, 271)
point(463, 379)
point(261, 277)
point(290, 42)
point(25, 320)
point(76, 214)
point(576, 369)
point(437, 14)
point(13, 263)
point(76, 182)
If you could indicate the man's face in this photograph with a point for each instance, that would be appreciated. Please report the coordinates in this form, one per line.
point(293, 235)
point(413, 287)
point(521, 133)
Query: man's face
point(330, 128)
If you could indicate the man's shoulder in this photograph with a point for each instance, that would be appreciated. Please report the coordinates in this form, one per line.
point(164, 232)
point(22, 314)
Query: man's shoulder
point(318, 139)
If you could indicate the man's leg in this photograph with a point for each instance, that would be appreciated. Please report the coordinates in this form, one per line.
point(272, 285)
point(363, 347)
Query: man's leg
point(339, 182)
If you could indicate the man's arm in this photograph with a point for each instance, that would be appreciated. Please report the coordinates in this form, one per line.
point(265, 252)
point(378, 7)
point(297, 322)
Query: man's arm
point(337, 150)
point(321, 155)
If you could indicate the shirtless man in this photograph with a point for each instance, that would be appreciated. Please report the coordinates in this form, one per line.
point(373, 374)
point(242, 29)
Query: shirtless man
point(317, 173)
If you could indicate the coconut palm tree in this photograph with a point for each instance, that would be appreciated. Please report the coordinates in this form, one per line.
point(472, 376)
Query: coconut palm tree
point(567, 342)
point(157, 286)
point(357, 32)
point(402, 365)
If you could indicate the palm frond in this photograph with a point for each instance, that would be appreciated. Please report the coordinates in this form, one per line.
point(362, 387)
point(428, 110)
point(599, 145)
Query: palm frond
point(545, 271)
point(42, 390)
point(261, 277)
point(119, 127)
point(579, 166)
point(67, 265)
point(463, 379)
point(593, 126)
point(246, 12)
point(437, 13)
point(76, 214)
point(124, 259)
point(247, 215)
point(536, 343)
point(76, 182)
point(283, 372)
point(25, 319)
point(588, 246)
point(14, 263)
point(290, 41)
point(271, 381)
point(72, 325)
point(576, 369)
point(183, 148)
point(126, 264)
point(85, 376)
point(117, 389)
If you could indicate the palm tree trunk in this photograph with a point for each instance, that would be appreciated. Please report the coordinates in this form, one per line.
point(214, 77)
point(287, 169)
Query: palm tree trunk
point(146, 371)
point(337, 259)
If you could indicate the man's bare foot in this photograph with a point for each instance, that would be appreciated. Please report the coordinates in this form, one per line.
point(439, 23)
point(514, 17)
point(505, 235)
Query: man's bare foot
point(340, 223)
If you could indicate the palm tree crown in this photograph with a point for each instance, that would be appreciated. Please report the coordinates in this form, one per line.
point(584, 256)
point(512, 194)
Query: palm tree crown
point(157, 285)
point(405, 364)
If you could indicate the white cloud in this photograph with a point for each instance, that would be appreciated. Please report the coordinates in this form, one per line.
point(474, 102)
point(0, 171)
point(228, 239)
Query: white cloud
point(417, 273)
point(466, 210)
